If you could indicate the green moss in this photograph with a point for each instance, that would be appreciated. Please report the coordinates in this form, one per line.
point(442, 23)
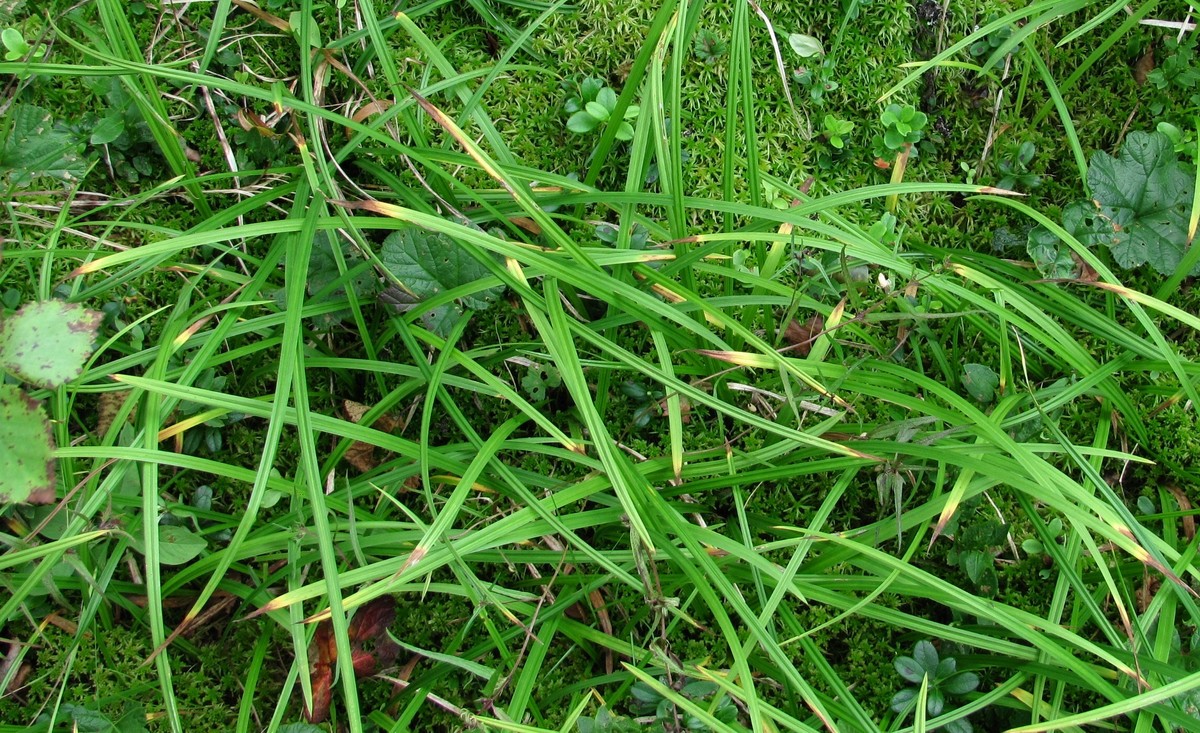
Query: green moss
point(109, 673)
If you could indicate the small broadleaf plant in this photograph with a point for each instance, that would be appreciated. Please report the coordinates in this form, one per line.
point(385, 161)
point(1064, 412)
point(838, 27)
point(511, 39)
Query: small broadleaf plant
point(1139, 210)
point(944, 681)
point(594, 106)
point(17, 48)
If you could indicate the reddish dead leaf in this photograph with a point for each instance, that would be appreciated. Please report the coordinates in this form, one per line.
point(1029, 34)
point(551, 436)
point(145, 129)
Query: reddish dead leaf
point(362, 456)
point(802, 335)
point(1086, 273)
point(322, 694)
point(527, 224)
point(371, 649)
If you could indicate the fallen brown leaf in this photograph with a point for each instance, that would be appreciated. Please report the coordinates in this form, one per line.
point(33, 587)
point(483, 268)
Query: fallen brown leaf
point(802, 335)
point(371, 649)
point(1185, 505)
point(1087, 273)
point(1143, 67)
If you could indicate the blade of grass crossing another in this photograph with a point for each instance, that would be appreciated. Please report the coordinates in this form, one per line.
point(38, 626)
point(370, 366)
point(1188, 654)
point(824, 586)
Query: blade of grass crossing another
point(631, 488)
point(466, 484)
point(149, 98)
point(674, 405)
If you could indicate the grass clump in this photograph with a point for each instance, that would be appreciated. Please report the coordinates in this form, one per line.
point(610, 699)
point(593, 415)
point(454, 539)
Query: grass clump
point(440, 414)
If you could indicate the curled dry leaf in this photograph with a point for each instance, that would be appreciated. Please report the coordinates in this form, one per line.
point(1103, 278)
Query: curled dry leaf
point(800, 336)
point(360, 454)
point(1143, 67)
point(371, 650)
point(1185, 506)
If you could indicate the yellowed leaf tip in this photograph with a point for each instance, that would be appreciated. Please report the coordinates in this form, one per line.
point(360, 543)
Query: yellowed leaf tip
point(730, 357)
point(417, 555)
point(1114, 288)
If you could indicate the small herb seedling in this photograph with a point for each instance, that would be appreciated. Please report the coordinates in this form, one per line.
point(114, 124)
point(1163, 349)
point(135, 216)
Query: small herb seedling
point(668, 717)
point(609, 233)
point(774, 198)
point(1033, 546)
point(649, 400)
point(1014, 169)
point(1183, 140)
point(904, 126)
point(818, 78)
point(986, 46)
point(974, 553)
point(835, 130)
point(17, 48)
point(709, 47)
point(944, 680)
point(594, 105)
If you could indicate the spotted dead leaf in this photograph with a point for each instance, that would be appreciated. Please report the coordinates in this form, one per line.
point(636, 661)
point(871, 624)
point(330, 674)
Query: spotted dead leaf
point(110, 405)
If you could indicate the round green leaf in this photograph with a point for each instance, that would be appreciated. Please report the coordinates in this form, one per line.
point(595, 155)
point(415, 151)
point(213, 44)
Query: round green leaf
point(47, 343)
point(961, 683)
point(926, 655)
point(980, 381)
point(581, 122)
point(806, 46)
point(910, 669)
point(597, 110)
point(178, 545)
point(26, 449)
point(607, 97)
point(15, 43)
